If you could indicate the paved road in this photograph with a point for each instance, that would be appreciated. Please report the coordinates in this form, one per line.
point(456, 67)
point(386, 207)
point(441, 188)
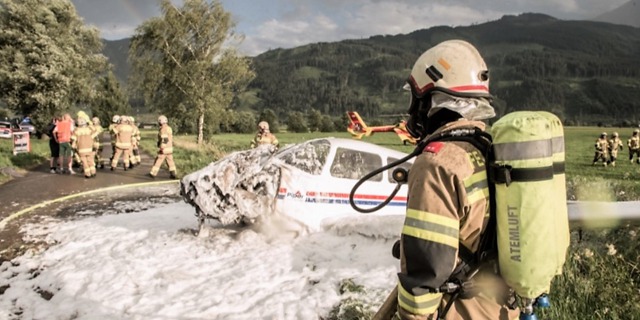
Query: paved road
point(39, 186)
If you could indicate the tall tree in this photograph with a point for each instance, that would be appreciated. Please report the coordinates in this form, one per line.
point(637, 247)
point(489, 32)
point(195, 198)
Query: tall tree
point(182, 67)
point(49, 60)
point(110, 100)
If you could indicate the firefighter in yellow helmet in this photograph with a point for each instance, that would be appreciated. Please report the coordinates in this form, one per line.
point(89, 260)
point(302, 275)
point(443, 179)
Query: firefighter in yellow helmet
point(447, 208)
point(124, 134)
point(615, 144)
point(634, 146)
point(97, 145)
point(82, 142)
point(165, 149)
point(602, 150)
point(264, 136)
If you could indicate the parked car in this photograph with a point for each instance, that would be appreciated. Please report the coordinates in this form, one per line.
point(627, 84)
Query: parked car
point(7, 128)
point(26, 125)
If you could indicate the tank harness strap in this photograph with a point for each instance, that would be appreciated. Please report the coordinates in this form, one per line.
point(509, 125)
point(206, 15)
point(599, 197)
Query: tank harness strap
point(461, 281)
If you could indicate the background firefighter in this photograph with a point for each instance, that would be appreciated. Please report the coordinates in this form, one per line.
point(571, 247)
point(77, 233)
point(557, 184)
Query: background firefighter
point(634, 146)
point(82, 141)
point(123, 133)
point(615, 144)
point(97, 145)
point(448, 198)
point(264, 136)
point(115, 121)
point(165, 149)
point(602, 150)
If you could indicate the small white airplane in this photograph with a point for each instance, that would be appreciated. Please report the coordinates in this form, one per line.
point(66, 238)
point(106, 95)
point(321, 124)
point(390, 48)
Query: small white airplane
point(310, 182)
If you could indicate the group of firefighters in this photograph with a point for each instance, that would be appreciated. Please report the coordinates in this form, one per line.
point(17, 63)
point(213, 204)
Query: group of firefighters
point(84, 139)
point(607, 149)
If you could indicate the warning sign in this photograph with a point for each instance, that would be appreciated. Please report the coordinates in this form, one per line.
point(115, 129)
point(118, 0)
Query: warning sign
point(21, 142)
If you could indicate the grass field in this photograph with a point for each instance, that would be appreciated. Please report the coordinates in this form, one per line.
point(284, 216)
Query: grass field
point(601, 278)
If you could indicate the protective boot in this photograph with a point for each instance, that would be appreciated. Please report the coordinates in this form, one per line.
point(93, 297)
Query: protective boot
point(172, 174)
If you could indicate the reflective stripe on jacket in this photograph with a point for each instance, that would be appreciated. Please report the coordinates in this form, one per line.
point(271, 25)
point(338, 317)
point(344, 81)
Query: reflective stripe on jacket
point(83, 140)
point(123, 133)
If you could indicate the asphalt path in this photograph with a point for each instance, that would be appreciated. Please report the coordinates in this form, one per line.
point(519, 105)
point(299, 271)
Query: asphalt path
point(38, 192)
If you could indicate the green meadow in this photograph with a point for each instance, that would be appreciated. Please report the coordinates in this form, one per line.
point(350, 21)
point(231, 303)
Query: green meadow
point(601, 278)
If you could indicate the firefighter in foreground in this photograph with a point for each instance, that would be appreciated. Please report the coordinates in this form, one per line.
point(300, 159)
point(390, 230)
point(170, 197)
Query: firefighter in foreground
point(448, 202)
point(634, 146)
point(82, 141)
point(165, 149)
point(615, 145)
point(602, 150)
point(264, 136)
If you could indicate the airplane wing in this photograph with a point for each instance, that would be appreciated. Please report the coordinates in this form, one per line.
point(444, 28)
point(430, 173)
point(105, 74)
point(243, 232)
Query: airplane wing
point(603, 214)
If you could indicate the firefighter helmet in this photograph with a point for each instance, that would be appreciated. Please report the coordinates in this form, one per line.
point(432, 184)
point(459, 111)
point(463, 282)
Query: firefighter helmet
point(115, 119)
point(263, 125)
point(451, 75)
point(162, 120)
point(636, 131)
point(454, 67)
point(615, 134)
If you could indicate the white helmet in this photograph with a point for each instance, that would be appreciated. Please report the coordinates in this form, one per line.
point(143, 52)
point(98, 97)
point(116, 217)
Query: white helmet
point(451, 75)
point(454, 67)
point(263, 125)
point(115, 119)
point(162, 120)
point(615, 134)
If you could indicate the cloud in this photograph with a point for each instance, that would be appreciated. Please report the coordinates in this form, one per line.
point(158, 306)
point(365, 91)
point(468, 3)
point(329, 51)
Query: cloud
point(270, 24)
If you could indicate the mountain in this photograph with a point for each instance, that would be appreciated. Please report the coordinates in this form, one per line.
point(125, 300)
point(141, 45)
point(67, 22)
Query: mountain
point(117, 52)
point(627, 14)
point(586, 72)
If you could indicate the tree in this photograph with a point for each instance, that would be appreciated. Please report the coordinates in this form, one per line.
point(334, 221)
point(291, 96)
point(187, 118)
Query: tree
point(49, 61)
point(296, 122)
point(181, 67)
point(269, 116)
point(314, 120)
point(110, 100)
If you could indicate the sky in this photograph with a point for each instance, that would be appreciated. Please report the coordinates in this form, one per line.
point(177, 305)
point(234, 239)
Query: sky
point(149, 264)
point(271, 24)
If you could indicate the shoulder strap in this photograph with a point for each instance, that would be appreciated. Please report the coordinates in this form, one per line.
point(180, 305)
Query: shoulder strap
point(482, 141)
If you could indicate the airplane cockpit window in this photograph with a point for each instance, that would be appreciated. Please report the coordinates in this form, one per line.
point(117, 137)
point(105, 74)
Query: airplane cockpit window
point(406, 165)
point(353, 164)
point(309, 157)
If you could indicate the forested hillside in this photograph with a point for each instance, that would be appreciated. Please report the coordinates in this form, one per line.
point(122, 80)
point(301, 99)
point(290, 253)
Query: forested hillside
point(586, 72)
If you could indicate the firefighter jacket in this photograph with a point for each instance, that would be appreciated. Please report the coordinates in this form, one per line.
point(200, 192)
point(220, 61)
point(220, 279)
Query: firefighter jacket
point(112, 132)
point(135, 138)
point(447, 205)
point(82, 140)
point(124, 133)
point(615, 144)
point(602, 145)
point(98, 132)
point(165, 140)
point(264, 138)
point(634, 142)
